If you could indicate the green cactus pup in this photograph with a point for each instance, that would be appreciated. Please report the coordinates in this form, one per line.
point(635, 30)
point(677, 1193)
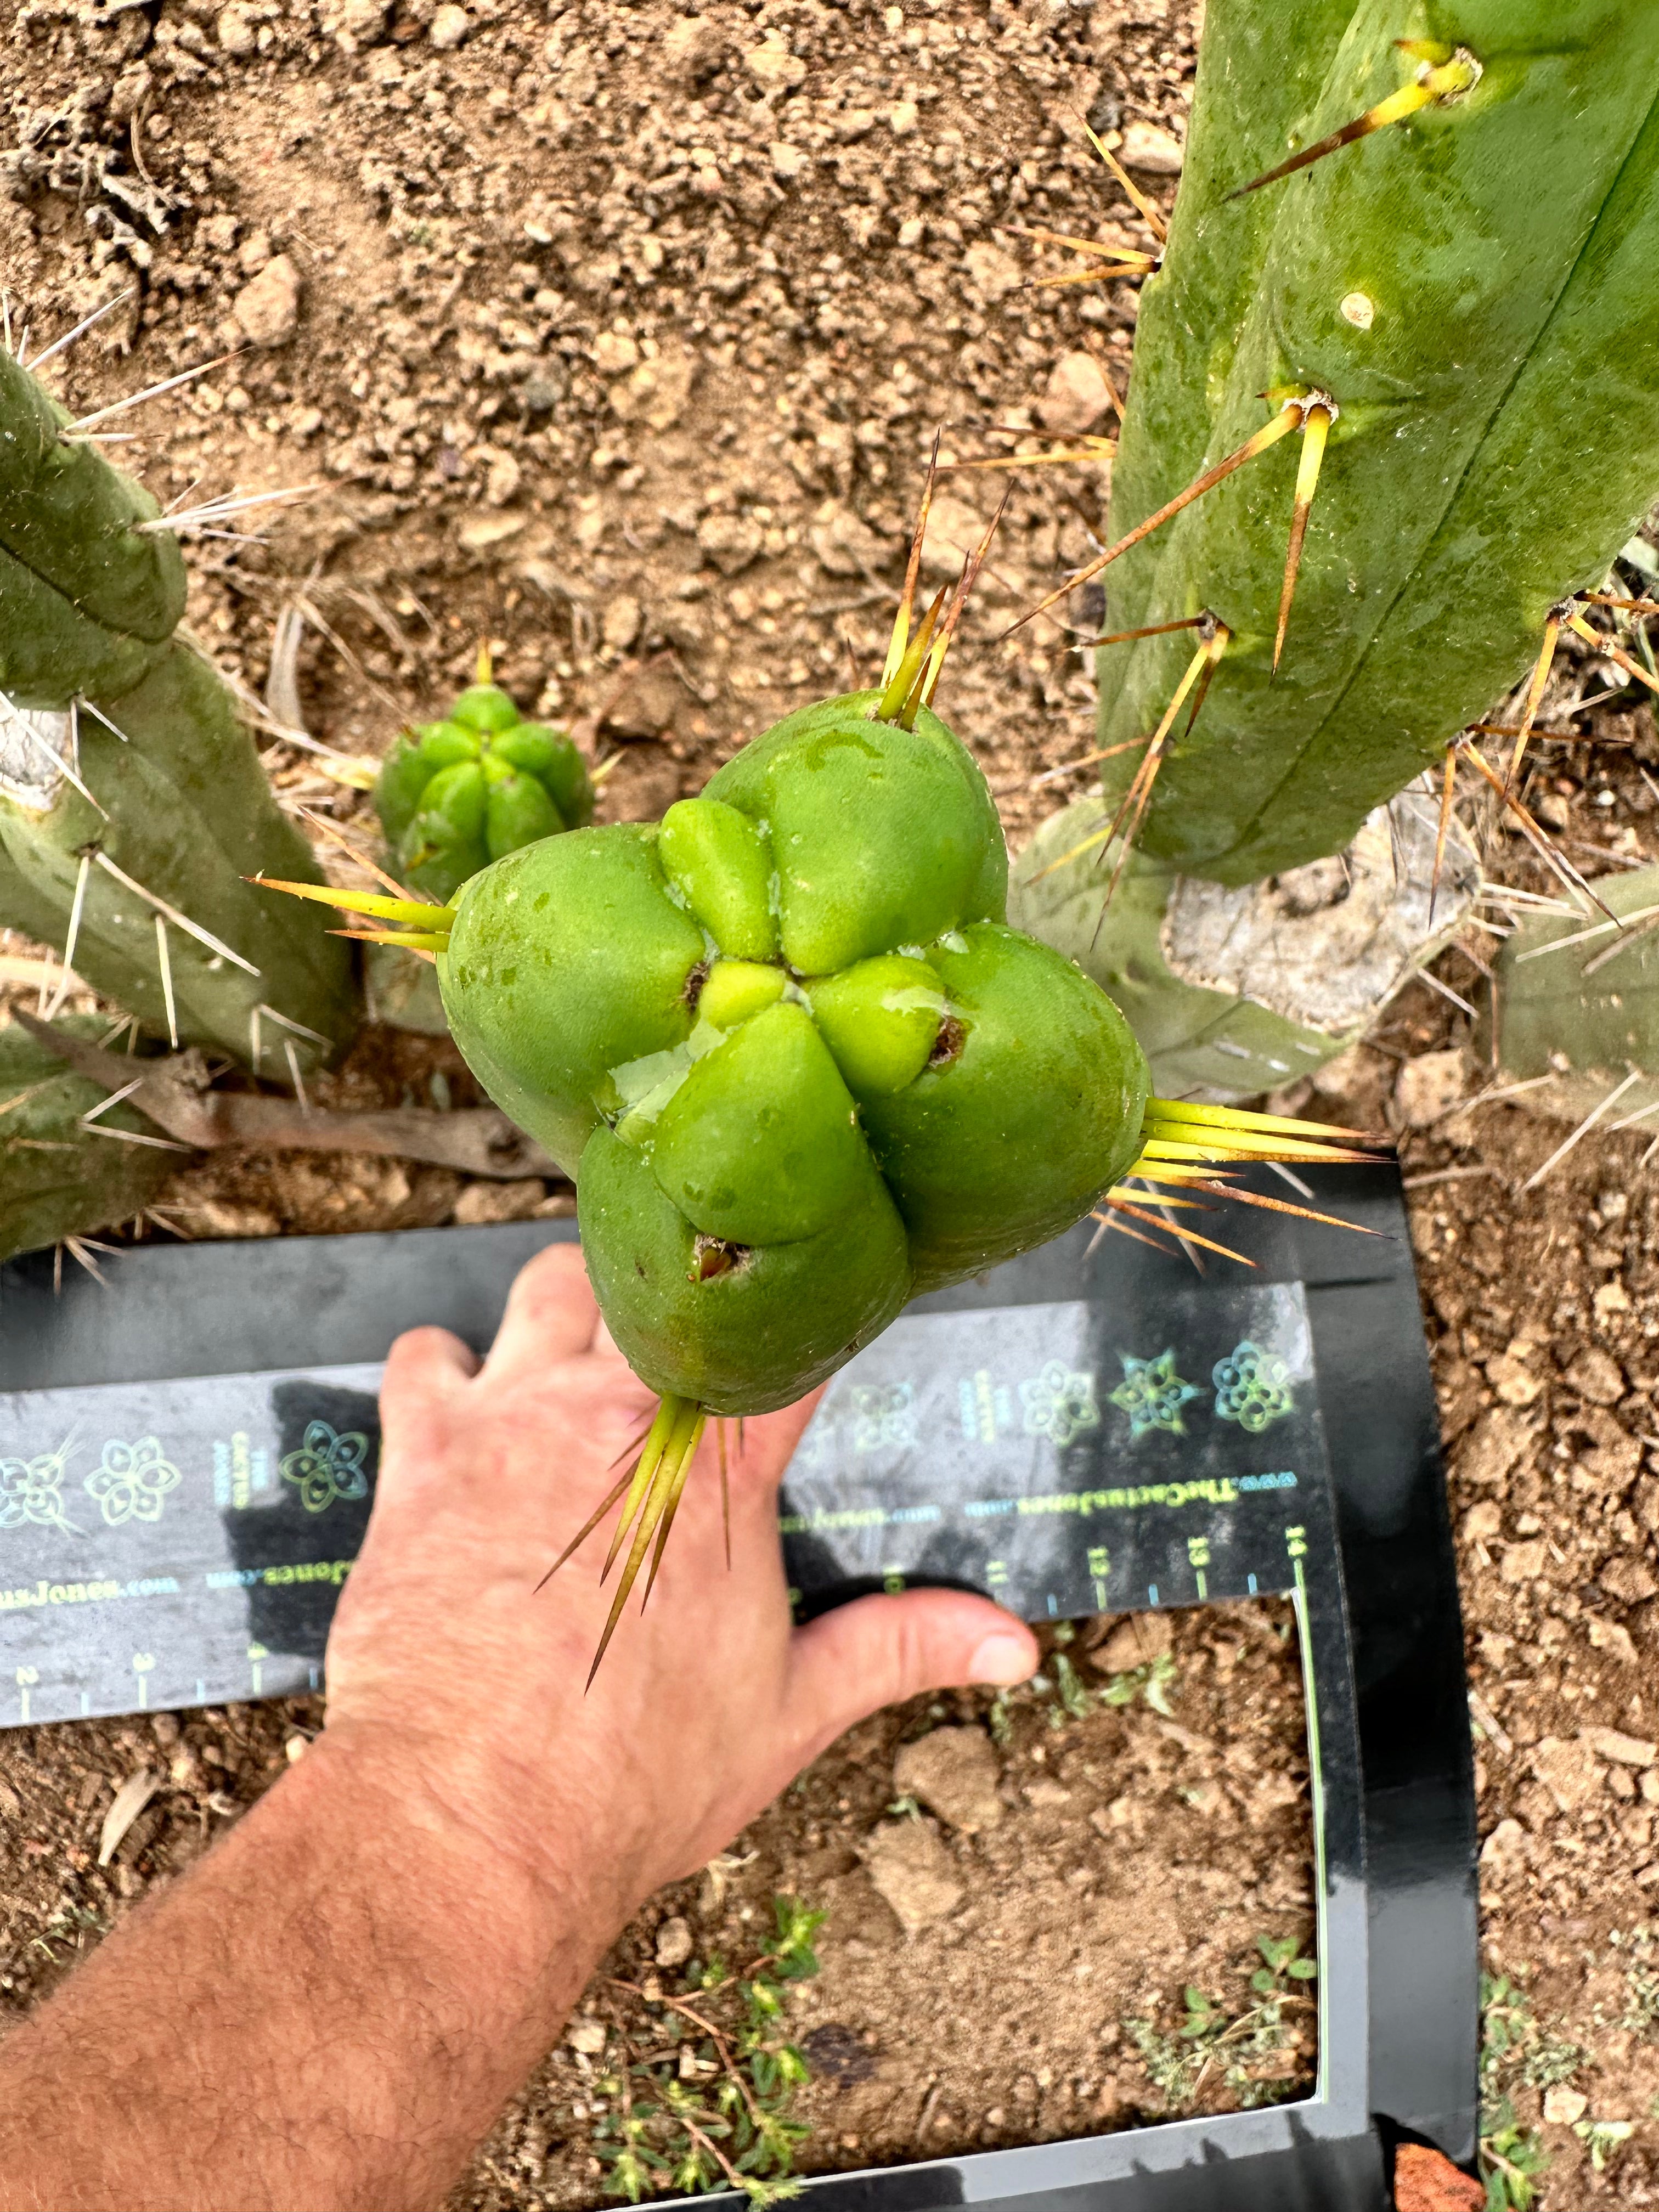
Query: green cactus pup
point(133, 803)
point(62, 1176)
point(456, 794)
point(797, 1061)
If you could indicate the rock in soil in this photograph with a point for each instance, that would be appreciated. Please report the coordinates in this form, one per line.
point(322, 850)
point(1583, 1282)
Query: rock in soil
point(955, 1773)
point(914, 1872)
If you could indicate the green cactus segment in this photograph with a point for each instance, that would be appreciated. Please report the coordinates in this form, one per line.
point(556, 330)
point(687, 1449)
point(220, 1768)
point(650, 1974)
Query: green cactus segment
point(455, 795)
point(740, 1331)
point(57, 1178)
point(570, 966)
point(881, 1021)
point(1033, 1109)
point(928, 856)
point(1474, 289)
point(188, 815)
point(1261, 72)
point(771, 1152)
point(722, 865)
point(1575, 1022)
point(86, 598)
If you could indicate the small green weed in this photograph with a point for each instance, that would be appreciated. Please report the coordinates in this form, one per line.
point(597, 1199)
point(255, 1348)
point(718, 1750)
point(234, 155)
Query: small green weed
point(699, 2096)
point(1512, 2159)
point(1514, 2048)
point(1237, 2048)
point(1603, 2138)
point(1151, 1683)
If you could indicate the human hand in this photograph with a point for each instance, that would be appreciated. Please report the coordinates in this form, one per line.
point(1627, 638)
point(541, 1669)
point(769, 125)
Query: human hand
point(449, 1666)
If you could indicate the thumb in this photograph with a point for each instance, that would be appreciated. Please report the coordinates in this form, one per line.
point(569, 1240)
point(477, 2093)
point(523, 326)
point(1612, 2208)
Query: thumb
point(879, 1650)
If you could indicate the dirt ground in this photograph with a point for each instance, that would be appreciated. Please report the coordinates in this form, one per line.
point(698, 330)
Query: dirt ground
point(620, 338)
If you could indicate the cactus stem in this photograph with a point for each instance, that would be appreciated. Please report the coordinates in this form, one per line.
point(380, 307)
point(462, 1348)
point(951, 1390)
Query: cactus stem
point(84, 422)
point(1288, 417)
point(1318, 413)
point(82, 875)
point(182, 920)
point(900, 637)
point(1605, 645)
point(1435, 83)
point(164, 961)
point(63, 344)
point(1146, 209)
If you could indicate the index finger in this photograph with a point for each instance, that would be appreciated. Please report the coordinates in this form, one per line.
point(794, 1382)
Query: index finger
point(551, 1314)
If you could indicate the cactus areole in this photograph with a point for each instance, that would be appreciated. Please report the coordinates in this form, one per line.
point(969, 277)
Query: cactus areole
point(795, 1058)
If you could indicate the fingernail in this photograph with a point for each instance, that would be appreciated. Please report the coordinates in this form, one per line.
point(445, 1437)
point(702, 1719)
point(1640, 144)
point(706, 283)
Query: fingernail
point(1001, 1661)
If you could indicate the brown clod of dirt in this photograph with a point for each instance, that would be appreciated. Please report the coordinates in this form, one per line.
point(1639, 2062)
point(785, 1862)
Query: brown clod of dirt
point(955, 1773)
point(1424, 2181)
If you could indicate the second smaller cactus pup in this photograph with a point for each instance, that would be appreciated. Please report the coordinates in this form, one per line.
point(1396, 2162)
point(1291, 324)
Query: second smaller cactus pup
point(456, 794)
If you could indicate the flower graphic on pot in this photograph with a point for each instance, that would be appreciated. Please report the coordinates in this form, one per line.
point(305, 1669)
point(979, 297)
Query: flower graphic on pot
point(1251, 1387)
point(131, 1481)
point(30, 1493)
point(328, 1465)
point(883, 1416)
point(1152, 1394)
point(1060, 1403)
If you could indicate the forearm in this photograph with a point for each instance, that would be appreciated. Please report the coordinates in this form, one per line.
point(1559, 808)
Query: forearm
point(330, 2010)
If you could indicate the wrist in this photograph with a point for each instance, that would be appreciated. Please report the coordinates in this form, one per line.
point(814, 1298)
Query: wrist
point(459, 1810)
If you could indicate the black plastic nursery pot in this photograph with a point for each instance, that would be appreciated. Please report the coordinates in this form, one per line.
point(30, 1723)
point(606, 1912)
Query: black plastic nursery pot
point(187, 1461)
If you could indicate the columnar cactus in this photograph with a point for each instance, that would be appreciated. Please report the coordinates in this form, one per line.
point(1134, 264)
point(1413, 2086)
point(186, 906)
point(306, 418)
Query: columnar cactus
point(60, 1177)
point(132, 801)
point(1463, 301)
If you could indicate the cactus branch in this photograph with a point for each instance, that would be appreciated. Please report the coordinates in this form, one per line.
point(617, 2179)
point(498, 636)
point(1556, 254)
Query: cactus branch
point(1436, 83)
point(1288, 418)
point(1318, 413)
